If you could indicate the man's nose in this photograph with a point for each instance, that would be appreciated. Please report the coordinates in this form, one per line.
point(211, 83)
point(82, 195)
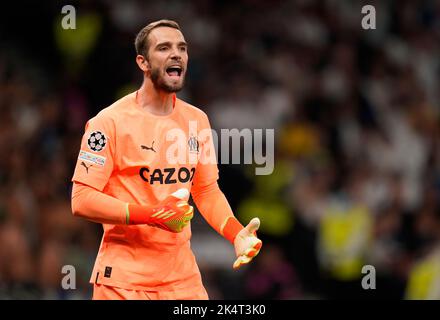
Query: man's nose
point(175, 54)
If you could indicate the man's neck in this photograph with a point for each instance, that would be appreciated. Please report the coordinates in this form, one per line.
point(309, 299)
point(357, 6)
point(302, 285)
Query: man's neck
point(155, 101)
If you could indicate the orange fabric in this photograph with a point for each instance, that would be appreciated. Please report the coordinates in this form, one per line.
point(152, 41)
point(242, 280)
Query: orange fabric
point(124, 155)
point(89, 203)
point(102, 292)
point(214, 207)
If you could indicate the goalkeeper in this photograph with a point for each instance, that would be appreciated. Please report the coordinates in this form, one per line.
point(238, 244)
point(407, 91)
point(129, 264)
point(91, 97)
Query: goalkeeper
point(125, 179)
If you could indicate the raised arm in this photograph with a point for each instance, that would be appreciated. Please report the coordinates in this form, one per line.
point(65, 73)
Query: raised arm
point(216, 210)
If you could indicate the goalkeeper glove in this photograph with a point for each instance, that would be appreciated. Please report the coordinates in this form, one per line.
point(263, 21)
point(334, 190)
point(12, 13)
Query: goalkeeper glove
point(172, 214)
point(246, 243)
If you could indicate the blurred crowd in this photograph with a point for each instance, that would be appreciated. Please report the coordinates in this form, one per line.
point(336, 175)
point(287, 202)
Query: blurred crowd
point(356, 115)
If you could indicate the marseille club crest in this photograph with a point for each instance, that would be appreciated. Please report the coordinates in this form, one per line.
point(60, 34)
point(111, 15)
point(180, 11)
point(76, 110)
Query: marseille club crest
point(193, 145)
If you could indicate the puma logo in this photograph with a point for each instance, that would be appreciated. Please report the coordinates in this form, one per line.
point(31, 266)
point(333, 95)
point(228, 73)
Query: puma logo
point(148, 148)
point(85, 166)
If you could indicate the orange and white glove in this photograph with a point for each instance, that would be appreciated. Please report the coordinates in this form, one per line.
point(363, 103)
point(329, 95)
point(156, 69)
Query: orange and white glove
point(172, 214)
point(246, 243)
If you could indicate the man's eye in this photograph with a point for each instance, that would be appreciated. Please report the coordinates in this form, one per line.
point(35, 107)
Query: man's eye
point(183, 49)
point(163, 48)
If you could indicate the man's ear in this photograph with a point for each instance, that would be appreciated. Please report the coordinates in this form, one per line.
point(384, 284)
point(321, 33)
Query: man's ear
point(142, 63)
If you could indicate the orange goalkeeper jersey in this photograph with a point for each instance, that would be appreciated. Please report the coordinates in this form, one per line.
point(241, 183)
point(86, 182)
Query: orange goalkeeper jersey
point(142, 158)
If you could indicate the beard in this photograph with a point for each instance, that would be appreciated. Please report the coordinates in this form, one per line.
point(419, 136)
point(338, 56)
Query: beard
point(160, 83)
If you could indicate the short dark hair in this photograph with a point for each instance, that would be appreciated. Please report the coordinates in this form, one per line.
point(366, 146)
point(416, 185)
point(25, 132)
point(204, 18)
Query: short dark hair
point(141, 41)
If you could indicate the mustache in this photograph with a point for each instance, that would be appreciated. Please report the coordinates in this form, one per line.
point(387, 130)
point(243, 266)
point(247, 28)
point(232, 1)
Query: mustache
point(175, 64)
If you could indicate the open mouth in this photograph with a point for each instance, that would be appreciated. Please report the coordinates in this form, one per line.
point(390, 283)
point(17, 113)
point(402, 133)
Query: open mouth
point(174, 71)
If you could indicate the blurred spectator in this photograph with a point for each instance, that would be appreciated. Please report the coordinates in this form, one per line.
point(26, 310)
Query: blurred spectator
point(272, 277)
point(424, 276)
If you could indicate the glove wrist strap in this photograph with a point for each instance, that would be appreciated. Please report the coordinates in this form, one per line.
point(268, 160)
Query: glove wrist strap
point(137, 214)
point(230, 228)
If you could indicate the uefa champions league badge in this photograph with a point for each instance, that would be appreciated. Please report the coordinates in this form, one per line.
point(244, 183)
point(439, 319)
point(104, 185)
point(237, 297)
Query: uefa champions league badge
point(97, 141)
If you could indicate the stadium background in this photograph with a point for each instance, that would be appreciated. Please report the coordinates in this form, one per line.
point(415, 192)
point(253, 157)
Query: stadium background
point(356, 117)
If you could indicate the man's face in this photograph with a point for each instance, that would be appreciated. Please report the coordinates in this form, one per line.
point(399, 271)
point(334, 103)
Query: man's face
point(168, 58)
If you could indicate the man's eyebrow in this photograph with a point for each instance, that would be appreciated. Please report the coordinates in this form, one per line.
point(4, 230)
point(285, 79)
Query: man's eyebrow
point(168, 43)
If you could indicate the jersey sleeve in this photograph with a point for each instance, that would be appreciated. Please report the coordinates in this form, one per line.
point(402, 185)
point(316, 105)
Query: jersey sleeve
point(95, 161)
point(206, 193)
